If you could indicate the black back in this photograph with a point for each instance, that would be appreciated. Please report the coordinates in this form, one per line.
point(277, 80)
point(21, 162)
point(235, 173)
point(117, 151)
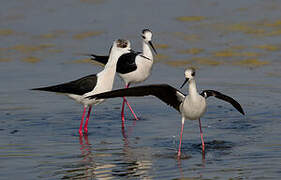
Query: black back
point(78, 87)
point(127, 63)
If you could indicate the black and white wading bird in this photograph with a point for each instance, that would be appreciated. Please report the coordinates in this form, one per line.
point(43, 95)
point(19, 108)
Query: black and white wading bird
point(93, 84)
point(191, 106)
point(134, 67)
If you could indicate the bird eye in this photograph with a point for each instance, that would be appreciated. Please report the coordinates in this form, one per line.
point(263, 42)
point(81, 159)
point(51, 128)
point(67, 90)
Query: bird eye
point(193, 74)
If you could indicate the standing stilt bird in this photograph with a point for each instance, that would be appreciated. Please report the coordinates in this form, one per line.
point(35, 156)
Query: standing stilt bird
point(134, 67)
point(92, 84)
point(191, 107)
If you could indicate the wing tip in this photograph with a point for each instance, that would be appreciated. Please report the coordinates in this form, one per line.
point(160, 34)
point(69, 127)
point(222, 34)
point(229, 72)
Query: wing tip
point(49, 89)
point(238, 107)
point(242, 111)
point(36, 89)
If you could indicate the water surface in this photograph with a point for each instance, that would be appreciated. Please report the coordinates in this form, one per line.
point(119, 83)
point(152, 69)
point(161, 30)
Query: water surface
point(235, 46)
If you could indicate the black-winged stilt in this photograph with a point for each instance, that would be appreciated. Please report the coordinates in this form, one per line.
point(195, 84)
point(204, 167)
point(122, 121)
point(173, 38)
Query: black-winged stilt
point(191, 107)
point(134, 67)
point(92, 84)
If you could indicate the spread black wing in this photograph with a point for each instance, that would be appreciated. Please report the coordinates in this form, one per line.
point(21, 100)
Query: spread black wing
point(100, 59)
point(166, 93)
point(208, 93)
point(78, 87)
point(127, 63)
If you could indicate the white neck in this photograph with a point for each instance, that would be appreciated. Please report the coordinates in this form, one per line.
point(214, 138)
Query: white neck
point(112, 61)
point(146, 50)
point(107, 75)
point(192, 88)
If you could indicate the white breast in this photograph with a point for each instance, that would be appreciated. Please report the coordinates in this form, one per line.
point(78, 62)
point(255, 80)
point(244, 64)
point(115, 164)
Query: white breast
point(193, 107)
point(144, 67)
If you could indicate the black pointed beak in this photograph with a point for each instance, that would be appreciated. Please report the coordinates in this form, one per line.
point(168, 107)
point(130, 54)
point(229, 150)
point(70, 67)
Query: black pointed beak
point(186, 80)
point(151, 45)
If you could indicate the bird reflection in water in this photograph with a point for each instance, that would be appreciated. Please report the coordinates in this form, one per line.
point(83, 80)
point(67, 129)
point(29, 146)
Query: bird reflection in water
point(91, 168)
point(134, 162)
point(127, 161)
point(87, 156)
point(179, 164)
point(86, 149)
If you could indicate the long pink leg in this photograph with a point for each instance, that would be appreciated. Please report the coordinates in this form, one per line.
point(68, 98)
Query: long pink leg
point(182, 125)
point(131, 109)
point(123, 106)
point(125, 100)
point(201, 134)
point(87, 120)
point(82, 120)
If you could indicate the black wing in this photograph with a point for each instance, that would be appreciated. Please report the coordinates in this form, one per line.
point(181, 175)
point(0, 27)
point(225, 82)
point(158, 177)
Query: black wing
point(127, 63)
point(166, 93)
point(78, 87)
point(100, 59)
point(208, 93)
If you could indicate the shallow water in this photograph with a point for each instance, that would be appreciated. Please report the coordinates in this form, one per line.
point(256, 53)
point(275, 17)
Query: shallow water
point(235, 45)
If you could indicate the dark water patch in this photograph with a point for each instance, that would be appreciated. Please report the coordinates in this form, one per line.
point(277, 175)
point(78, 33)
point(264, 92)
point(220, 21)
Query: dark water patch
point(76, 176)
point(188, 150)
point(117, 108)
point(74, 172)
point(210, 146)
point(219, 145)
point(93, 131)
point(14, 131)
point(173, 155)
point(70, 157)
point(76, 134)
point(236, 125)
point(131, 169)
point(35, 123)
point(140, 118)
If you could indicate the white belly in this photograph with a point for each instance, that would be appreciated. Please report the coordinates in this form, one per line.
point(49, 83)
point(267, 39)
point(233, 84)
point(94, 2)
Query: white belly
point(193, 109)
point(142, 72)
point(83, 100)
